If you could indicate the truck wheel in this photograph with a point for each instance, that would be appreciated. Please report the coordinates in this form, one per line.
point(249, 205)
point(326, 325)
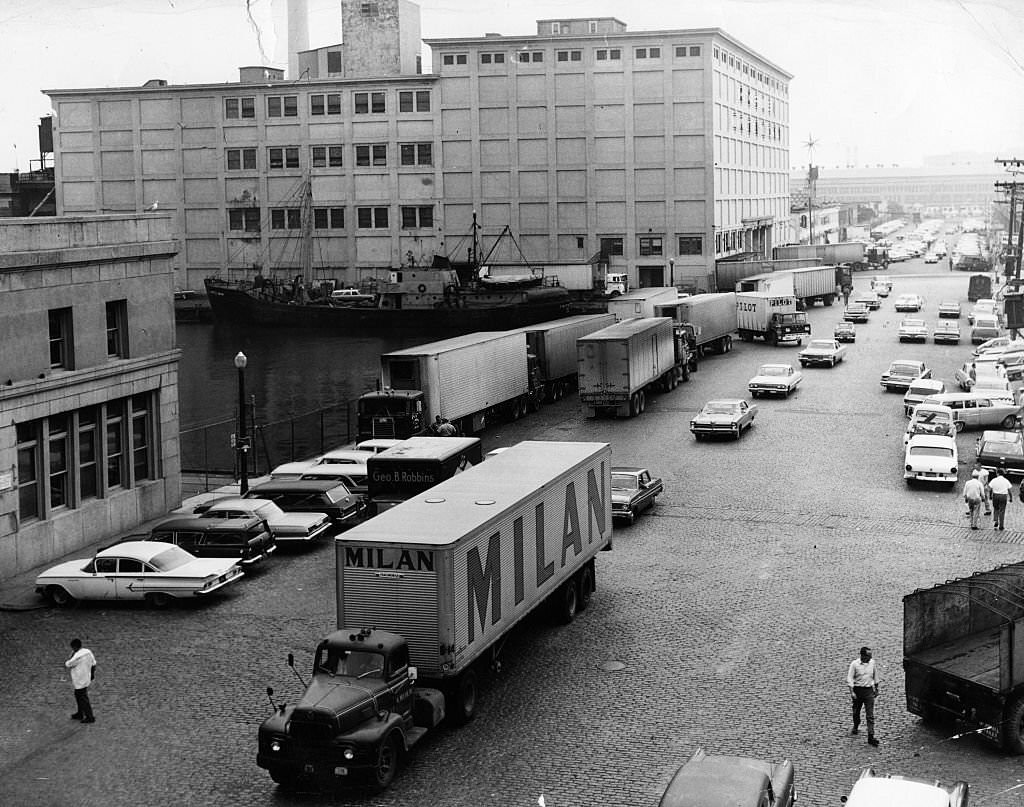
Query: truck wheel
point(285, 779)
point(641, 401)
point(385, 766)
point(460, 699)
point(726, 344)
point(567, 601)
point(1013, 727)
point(586, 586)
point(634, 404)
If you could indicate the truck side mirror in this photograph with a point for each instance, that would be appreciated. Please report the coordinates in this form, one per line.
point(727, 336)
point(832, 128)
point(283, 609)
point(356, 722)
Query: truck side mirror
point(291, 661)
point(413, 673)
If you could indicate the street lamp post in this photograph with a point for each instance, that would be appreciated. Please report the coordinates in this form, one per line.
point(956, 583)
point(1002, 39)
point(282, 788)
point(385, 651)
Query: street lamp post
point(671, 271)
point(242, 443)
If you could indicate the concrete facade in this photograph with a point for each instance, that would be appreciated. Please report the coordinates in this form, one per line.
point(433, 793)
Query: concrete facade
point(88, 382)
point(659, 151)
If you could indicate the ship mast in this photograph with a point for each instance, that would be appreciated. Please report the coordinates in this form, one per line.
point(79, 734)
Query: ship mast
point(306, 218)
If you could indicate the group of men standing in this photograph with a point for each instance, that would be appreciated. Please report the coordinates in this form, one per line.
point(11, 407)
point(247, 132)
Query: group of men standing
point(991, 492)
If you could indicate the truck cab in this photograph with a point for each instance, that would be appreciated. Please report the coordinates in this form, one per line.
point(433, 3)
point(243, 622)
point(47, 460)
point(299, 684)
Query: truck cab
point(359, 714)
point(616, 283)
point(391, 413)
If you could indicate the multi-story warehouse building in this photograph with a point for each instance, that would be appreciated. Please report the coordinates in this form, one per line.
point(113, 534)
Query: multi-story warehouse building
point(657, 151)
point(88, 382)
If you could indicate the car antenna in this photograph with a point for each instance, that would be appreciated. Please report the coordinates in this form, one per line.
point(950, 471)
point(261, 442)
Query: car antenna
point(291, 663)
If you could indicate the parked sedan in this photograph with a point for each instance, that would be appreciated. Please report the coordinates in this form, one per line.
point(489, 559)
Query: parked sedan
point(874, 789)
point(845, 332)
point(284, 526)
point(870, 299)
point(902, 373)
point(949, 309)
point(775, 379)
point(1002, 449)
point(822, 351)
point(730, 781)
point(317, 496)
point(913, 330)
point(731, 416)
point(946, 333)
point(909, 302)
point(137, 570)
point(856, 312)
point(633, 490)
point(351, 475)
point(930, 458)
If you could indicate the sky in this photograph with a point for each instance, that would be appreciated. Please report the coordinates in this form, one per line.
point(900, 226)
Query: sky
point(875, 81)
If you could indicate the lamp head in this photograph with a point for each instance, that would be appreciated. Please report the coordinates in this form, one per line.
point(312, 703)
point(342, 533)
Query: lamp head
point(241, 360)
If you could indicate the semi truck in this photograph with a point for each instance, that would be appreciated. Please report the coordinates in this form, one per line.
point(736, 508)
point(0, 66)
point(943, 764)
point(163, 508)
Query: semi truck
point(553, 344)
point(961, 653)
point(712, 318)
point(641, 302)
point(809, 284)
point(769, 316)
point(426, 594)
point(415, 465)
point(619, 366)
point(467, 379)
point(850, 252)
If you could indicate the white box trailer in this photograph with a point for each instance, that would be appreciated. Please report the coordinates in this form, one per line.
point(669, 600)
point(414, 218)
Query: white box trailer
point(768, 316)
point(453, 569)
point(812, 284)
point(621, 364)
point(641, 302)
point(843, 252)
point(713, 317)
point(554, 345)
point(778, 283)
point(465, 378)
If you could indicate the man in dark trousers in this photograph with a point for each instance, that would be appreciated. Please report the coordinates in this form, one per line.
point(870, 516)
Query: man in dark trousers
point(862, 679)
point(82, 665)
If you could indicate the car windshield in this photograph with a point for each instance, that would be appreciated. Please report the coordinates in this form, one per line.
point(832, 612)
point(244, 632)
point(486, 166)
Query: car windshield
point(624, 482)
point(913, 323)
point(819, 344)
point(773, 369)
point(720, 408)
point(905, 369)
point(1002, 447)
point(171, 558)
point(930, 451)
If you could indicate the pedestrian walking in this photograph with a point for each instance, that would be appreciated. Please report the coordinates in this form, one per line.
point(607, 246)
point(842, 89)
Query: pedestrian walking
point(83, 671)
point(862, 679)
point(986, 500)
point(1002, 492)
point(974, 494)
point(846, 294)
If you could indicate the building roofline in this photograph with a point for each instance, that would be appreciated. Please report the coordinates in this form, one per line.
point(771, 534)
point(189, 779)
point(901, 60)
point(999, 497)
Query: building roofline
point(283, 86)
point(582, 19)
point(609, 36)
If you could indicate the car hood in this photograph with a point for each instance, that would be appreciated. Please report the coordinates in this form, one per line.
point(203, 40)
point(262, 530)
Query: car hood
point(817, 351)
point(779, 380)
point(620, 496)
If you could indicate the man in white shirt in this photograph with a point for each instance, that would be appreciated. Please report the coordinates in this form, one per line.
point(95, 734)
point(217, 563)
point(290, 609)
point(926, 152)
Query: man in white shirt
point(974, 495)
point(1000, 488)
point(83, 670)
point(862, 679)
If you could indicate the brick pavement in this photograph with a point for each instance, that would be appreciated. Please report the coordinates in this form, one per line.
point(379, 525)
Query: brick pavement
point(735, 608)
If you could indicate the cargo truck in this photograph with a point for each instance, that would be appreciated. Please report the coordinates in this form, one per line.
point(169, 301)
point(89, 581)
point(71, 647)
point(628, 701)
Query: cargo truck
point(851, 252)
point(809, 284)
point(467, 379)
point(426, 594)
point(619, 366)
point(641, 302)
point(713, 319)
point(768, 316)
point(962, 656)
point(553, 345)
point(415, 465)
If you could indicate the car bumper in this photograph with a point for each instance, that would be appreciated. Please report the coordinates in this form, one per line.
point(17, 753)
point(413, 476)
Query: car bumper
point(764, 390)
point(257, 558)
point(818, 359)
point(723, 428)
point(902, 386)
point(913, 337)
point(946, 337)
point(930, 476)
point(225, 579)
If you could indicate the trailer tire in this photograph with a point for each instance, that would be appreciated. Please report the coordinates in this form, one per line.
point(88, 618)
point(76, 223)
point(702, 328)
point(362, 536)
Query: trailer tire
point(567, 601)
point(685, 371)
point(1012, 734)
point(641, 401)
point(829, 299)
point(586, 586)
point(726, 344)
point(386, 762)
point(634, 404)
point(460, 699)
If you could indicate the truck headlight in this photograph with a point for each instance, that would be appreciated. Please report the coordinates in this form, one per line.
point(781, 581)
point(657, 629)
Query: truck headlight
point(275, 746)
point(349, 754)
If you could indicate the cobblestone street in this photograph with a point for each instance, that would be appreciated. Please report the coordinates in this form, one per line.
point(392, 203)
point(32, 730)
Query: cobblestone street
point(735, 606)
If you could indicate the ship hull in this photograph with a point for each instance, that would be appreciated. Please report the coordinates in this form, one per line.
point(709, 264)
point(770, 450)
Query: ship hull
point(484, 312)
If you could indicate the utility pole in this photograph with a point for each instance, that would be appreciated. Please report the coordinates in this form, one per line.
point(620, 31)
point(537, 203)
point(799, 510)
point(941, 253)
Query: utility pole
point(1013, 165)
point(812, 176)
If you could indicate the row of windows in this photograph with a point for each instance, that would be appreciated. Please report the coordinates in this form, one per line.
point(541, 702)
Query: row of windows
point(600, 55)
point(67, 459)
point(363, 103)
point(331, 156)
point(61, 334)
point(653, 245)
point(248, 219)
point(737, 63)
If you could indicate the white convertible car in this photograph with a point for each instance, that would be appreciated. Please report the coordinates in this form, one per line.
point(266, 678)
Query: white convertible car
point(152, 571)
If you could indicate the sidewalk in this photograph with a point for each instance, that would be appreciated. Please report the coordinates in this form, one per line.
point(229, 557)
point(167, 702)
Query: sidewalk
point(18, 593)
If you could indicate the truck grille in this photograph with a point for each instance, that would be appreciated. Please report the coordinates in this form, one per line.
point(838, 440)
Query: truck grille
point(310, 733)
point(384, 428)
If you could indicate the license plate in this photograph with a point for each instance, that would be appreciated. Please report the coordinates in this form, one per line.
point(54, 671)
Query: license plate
point(339, 771)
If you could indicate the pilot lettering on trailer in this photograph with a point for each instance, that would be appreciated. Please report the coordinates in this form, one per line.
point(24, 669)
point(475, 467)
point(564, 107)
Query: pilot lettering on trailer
point(484, 575)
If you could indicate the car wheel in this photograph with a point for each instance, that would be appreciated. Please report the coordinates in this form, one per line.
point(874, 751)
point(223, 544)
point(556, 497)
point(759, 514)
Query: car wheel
point(160, 599)
point(1009, 421)
point(803, 364)
point(958, 425)
point(60, 597)
point(385, 766)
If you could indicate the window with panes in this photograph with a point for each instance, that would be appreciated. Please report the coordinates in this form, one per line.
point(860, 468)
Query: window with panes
point(235, 108)
point(58, 452)
point(328, 218)
point(611, 246)
point(117, 328)
point(241, 159)
point(416, 153)
point(88, 452)
point(650, 245)
point(283, 157)
point(367, 102)
point(417, 217)
point(286, 106)
point(691, 245)
point(28, 436)
point(368, 218)
point(372, 154)
point(244, 218)
point(285, 218)
point(326, 156)
point(142, 437)
point(114, 427)
point(325, 104)
point(61, 335)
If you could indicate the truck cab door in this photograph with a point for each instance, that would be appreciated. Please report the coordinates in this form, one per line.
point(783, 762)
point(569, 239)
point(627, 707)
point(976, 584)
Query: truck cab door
point(399, 682)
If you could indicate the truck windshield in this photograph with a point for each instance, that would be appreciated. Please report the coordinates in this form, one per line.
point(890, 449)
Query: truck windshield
point(384, 405)
point(354, 663)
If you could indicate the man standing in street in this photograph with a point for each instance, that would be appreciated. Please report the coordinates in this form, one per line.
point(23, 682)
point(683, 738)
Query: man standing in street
point(83, 670)
point(1000, 488)
point(983, 478)
point(862, 679)
point(974, 494)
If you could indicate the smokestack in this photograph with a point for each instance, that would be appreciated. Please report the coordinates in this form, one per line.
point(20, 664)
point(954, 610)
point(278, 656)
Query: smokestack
point(298, 34)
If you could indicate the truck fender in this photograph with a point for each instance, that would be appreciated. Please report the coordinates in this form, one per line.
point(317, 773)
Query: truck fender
point(373, 731)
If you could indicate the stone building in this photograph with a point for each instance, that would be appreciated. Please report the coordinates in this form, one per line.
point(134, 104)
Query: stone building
point(657, 152)
point(88, 382)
